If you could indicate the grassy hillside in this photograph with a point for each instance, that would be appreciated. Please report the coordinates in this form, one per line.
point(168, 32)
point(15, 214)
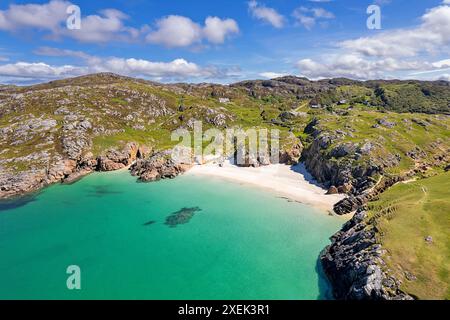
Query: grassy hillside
point(414, 224)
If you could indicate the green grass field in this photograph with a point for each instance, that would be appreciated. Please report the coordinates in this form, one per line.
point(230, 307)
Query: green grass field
point(409, 213)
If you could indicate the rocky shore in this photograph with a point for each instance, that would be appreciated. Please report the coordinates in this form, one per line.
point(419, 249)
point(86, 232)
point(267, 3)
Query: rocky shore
point(354, 261)
point(354, 264)
point(69, 170)
point(144, 164)
point(159, 166)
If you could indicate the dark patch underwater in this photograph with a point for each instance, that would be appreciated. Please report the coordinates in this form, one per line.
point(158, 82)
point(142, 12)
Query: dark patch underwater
point(182, 216)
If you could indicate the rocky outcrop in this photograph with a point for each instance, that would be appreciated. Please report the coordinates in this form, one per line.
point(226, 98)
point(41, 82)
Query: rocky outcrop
point(77, 175)
point(159, 166)
point(337, 166)
point(250, 160)
point(12, 184)
point(116, 160)
point(354, 264)
point(358, 200)
point(361, 195)
point(68, 170)
point(291, 156)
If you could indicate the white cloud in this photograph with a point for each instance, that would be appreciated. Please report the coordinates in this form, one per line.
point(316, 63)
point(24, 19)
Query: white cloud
point(355, 66)
point(51, 17)
point(446, 2)
point(395, 53)
point(216, 29)
point(178, 31)
point(39, 70)
point(110, 25)
point(39, 16)
point(430, 36)
point(272, 75)
point(306, 21)
point(442, 63)
point(106, 27)
point(308, 17)
point(178, 69)
point(266, 14)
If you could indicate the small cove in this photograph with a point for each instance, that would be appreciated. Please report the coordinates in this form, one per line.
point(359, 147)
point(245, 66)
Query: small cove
point(188, 238)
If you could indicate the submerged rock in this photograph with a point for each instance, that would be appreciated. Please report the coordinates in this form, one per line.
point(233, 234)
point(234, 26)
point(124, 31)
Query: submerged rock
point(182, 216)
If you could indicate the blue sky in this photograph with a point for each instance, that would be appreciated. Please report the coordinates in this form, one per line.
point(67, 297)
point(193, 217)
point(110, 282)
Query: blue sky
point(224, 41)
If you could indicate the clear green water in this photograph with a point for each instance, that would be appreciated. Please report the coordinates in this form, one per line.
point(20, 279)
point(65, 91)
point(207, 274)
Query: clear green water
point(245, 243)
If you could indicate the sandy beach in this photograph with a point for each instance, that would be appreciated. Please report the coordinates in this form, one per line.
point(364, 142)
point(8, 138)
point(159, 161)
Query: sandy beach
point(292, 182)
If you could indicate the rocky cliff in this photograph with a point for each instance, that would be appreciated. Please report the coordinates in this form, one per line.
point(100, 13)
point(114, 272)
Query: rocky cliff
point(354, 264)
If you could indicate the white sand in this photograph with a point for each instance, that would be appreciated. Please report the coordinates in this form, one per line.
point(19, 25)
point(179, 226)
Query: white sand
point(294, 183)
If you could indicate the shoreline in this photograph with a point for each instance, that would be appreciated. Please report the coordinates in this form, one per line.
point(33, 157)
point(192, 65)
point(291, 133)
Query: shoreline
point(294, 183)
point(290, 182)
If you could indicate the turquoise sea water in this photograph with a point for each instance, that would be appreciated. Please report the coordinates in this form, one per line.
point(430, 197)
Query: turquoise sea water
point(135, 241)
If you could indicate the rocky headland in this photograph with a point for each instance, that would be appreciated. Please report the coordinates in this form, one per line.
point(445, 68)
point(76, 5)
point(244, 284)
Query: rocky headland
point(355, 266)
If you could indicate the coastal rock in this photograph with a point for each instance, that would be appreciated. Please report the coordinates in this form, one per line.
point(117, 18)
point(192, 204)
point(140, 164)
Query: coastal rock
point(106, 164)
point(361, 197)
point(13, 184)
point(345, 188)
point(336, 163)
point(87, 161)
point(353, 264)
point(65, 170)
point(77, 175)
point(347, 205)
point(159, 166)
point(333, 190)
point(116, 160)
point(292, 155)
point(143, 152)
point(60, 170)
point(150, 175)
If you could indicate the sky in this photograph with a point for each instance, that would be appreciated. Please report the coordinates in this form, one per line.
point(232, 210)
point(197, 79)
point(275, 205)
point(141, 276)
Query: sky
point(224, 41)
